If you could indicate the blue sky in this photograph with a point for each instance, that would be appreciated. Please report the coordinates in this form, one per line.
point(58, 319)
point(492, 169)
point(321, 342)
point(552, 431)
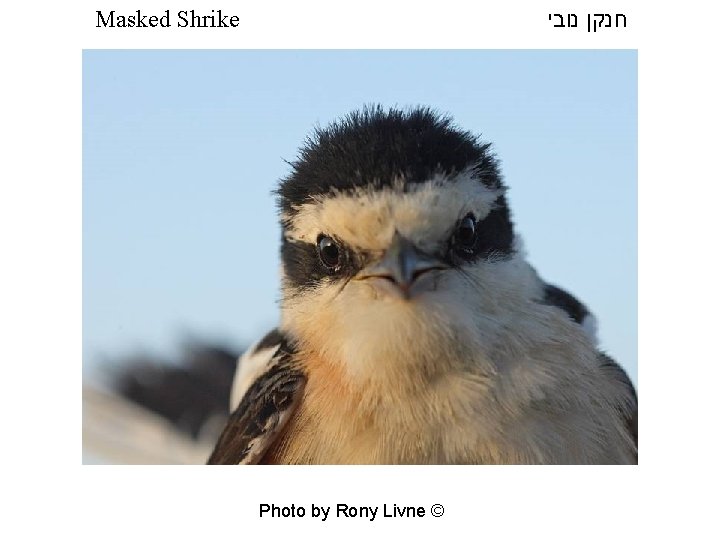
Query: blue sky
point(181, 150)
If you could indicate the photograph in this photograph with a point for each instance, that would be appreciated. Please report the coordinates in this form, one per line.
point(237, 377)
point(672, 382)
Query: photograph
point(396, 257)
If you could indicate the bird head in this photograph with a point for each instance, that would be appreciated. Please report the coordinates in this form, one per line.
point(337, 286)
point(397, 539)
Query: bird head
point(397, 242)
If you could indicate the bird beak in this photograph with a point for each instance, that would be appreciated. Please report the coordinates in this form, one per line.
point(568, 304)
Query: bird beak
point(402, 263)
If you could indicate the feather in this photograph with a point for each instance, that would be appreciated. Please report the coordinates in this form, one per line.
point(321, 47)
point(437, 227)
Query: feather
point(263, 412)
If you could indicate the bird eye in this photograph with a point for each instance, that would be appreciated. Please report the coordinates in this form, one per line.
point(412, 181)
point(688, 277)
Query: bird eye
point(329, 252)
point(465, 234)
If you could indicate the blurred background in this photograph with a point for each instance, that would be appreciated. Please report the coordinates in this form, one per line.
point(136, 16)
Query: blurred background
point(182, 149)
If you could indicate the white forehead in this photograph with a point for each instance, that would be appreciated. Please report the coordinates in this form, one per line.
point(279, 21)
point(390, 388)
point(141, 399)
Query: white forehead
point(368, 218)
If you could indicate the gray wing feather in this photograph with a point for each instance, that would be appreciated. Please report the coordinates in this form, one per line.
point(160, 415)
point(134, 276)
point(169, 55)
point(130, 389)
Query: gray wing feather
point(578, 312)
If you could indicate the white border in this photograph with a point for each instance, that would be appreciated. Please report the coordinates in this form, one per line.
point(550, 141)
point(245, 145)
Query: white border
point(40, 213)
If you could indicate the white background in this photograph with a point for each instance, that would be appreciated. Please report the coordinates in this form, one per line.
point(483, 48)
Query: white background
point(48, 492)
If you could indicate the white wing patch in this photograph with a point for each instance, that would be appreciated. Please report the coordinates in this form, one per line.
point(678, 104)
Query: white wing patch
point(590, 326)
point(250, 366)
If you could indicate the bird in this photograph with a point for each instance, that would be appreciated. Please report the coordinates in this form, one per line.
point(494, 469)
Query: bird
point(412, 328)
